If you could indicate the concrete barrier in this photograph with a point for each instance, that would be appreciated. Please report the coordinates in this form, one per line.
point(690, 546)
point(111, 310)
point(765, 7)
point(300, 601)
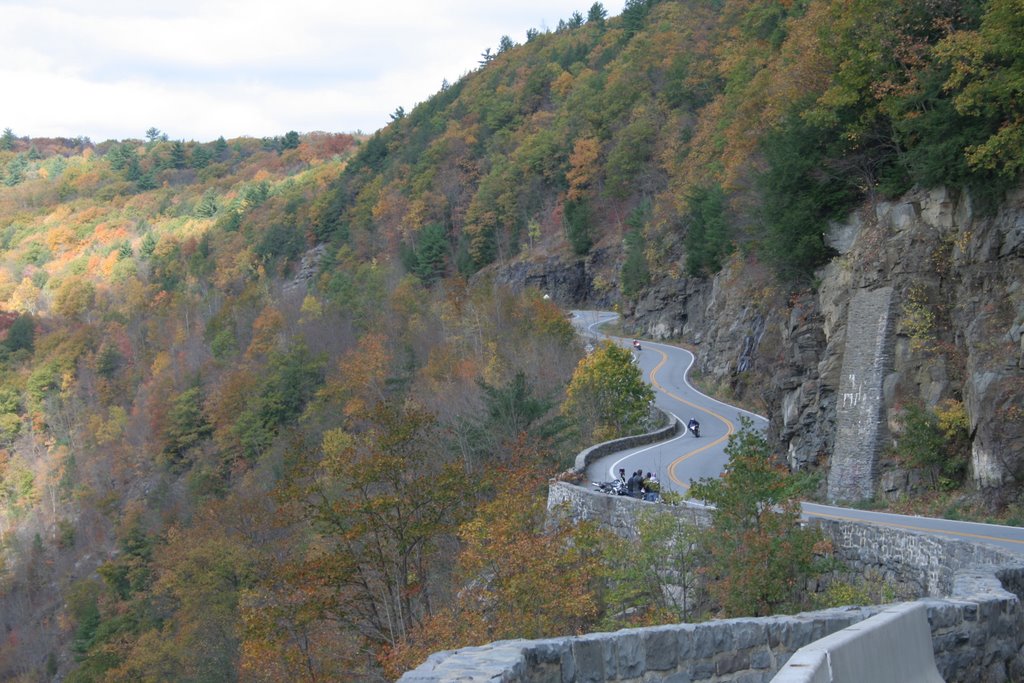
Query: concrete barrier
point(894, 646)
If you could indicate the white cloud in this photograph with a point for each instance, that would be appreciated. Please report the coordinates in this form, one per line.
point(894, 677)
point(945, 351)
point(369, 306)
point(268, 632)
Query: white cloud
point(113, 68)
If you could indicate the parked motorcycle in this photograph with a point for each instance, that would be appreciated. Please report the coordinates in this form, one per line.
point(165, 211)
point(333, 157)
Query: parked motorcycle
point(612, 488)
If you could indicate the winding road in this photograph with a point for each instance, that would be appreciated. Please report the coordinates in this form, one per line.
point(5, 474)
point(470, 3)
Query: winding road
point(685, 458)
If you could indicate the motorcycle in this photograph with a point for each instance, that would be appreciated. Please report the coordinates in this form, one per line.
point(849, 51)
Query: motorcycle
point(694, 428)
point(612, 488)
point(636, 345)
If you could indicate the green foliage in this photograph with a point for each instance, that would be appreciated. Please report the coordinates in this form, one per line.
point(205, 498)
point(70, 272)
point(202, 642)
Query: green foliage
point(512, 412)
point(16, 170)
point(579, 226)
point(281, 242)
point(130, 572)
point(631, 151)
point(82, 601)
point(148, 245)
point(987, 73)
point(937, 441)
point(21, 334)
point(636, 274)
point(10, 427)
point(290, 380)
point(656, 577)
point(185, 428)
point(18, 488)
point(759, 555)
point(871, 589)
point(201, 156)
point(207, 206)
point(634, 13)
point(799, 200)
point(178, 155)
point(357, 288)
point(431, 253)
point(607, 397)
point(708, 237)
point(109, 361)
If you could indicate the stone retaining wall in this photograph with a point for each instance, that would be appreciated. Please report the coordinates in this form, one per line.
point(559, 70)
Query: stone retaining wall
point(861, 431)
point(974, 611)
point(589, 455)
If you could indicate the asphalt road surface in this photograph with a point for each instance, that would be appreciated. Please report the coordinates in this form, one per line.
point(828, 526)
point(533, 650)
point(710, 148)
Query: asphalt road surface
point(686, 458)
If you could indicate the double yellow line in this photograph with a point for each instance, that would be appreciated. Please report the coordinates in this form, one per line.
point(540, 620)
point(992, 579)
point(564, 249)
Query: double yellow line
point(730, 427)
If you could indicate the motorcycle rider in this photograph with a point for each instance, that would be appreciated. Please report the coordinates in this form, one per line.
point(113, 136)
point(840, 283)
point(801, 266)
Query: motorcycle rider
point(635, 484)
point(651, 488)
point(693, 426)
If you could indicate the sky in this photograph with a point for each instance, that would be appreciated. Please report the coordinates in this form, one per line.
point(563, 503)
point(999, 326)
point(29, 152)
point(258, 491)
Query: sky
point(200, 69)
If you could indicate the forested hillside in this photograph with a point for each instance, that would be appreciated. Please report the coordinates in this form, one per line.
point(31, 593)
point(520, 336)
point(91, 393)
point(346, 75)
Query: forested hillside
point(228, 451)
point(263, 413)
point(689, 129)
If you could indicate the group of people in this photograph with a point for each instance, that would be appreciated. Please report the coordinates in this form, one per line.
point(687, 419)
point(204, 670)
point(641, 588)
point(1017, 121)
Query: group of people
point(641, 486)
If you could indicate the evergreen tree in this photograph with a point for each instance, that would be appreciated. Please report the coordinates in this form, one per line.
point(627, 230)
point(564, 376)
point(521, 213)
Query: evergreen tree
point(578, 228)
point(635, 273)
point(634, 13)
point(22, 333)
point(186, 427)
point(178, 157)
point(760, 556)
point(201, 157)
point(708, 241)
point(799, 200)
point(16, 169)
point(431, 248)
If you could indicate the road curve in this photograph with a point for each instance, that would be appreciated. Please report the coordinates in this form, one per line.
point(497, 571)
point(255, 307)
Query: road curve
point(684, 458)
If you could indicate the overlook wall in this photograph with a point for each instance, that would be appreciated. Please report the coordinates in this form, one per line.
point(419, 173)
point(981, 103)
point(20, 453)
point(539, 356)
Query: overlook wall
point(972, 594)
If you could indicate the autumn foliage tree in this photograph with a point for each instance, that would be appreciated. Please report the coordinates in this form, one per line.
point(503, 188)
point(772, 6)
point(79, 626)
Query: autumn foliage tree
point(384, 506)
point(607, 396)
point(518, 576)
point(759, 556)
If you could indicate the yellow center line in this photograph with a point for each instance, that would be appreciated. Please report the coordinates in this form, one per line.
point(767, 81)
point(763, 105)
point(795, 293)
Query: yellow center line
point(730, 427)
point(911, 527)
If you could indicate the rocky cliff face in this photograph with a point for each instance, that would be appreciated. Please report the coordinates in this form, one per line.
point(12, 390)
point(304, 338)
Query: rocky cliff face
point(958, 305)
point(957, 281)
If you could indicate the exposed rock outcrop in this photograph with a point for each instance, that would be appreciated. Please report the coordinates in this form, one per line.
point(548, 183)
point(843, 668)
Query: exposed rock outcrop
point(957, 318)
point(957, 282)
point(571, 283)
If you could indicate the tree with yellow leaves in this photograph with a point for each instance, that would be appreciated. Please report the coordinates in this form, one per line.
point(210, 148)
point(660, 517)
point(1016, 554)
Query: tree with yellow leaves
point(607, 396)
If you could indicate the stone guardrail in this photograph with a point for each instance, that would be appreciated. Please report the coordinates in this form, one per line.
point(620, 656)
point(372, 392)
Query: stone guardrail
point(588, 455)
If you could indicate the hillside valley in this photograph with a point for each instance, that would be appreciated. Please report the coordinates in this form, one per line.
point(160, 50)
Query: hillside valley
point(286, 408)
